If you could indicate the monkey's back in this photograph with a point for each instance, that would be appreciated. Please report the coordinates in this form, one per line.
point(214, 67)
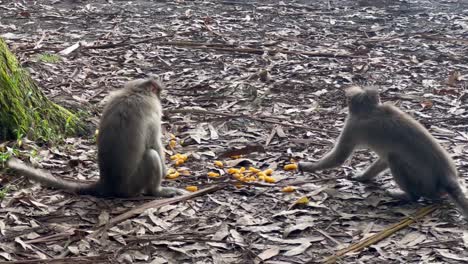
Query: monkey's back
point(123, 132)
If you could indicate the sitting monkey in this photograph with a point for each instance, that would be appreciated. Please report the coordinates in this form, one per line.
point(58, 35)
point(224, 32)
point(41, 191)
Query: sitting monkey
point(130, 151)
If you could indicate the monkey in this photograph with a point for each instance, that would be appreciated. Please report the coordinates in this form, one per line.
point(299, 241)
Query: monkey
point(130, 150)
point(419, 164)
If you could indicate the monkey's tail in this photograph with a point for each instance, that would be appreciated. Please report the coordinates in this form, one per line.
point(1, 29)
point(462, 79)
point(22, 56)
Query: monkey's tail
point(458, 197)
point(49, 180)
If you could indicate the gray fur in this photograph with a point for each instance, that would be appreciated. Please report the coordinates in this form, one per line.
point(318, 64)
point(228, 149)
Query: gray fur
point(419, 164)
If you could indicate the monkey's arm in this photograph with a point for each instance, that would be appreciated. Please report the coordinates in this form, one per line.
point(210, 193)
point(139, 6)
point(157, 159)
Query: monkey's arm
point(347, 141)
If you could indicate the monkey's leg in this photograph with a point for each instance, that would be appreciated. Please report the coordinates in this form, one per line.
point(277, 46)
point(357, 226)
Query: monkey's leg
point(372, 171)
point(153, 169)
point(402, 174)
point(458, 197)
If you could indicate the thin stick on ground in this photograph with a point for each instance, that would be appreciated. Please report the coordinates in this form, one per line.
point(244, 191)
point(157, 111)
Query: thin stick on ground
point(159, 203)
point(381, 235)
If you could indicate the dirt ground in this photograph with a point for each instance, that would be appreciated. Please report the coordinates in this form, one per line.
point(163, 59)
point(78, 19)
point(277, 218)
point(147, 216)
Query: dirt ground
point(239, 73)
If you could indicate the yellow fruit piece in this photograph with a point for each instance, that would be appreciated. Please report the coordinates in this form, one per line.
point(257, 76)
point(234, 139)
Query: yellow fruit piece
point(238, 185)
point(172, 143)
point(172, 136)
point(268, 172)
point(218, 164)
point(179, 162)
point(174, 157)
point(170, 171)
point(289, 189)
point(269, 179)
point(236, 156)
point(261, 177)
point(237, 175)
point(262, 174)
point(242, 169)
point(191, 188)
point(242, 178)
point(183, 157)
point(233, 171)
point(213, 174)
point(254, 170)
point(173, 175)
point(289, 167)
point(302, 200)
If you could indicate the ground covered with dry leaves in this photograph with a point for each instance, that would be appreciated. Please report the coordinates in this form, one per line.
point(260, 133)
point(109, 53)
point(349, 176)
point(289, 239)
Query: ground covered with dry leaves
point(265, 77)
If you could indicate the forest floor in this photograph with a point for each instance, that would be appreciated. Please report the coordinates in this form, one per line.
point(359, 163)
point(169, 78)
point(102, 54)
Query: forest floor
point(260, 75)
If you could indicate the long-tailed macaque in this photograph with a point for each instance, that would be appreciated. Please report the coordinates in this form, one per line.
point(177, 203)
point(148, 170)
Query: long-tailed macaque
point(130, 151)
point(419, 165)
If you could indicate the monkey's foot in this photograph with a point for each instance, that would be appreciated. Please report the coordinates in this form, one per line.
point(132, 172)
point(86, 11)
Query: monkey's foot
point(361, 178)
point(306, 166)
point(399, 195)
point(168, 192)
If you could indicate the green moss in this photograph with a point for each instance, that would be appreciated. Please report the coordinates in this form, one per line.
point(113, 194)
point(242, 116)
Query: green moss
point(25, 110)
point(49, 58)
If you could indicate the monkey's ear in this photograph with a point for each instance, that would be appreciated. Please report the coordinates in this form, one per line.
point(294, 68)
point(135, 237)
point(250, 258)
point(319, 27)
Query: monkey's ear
point(154, 85)
point(353, 90)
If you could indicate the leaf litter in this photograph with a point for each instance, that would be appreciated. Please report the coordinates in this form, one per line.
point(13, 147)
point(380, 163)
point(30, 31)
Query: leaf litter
point(259, 79)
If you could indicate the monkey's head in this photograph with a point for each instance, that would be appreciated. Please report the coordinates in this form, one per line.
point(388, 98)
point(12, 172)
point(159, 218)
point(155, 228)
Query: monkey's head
point(362, 100)
point(151, 85)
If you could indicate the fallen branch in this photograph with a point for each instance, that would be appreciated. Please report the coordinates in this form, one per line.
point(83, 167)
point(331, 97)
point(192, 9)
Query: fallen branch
point(159, 203)
point(221, 47)
point(381, 235)
point(205, 112)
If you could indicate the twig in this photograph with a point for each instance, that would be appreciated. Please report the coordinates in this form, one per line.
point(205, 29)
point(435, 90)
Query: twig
point(438, 38)
point(381, 235)
point(76, 260)
point(159, 203)
point(205, 112)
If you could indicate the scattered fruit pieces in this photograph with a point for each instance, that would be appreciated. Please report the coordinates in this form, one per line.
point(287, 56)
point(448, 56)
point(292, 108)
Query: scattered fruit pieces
point(289, 189)
point(218, 164)
point(179, 158)
point(268, 172)
point(191, 188)
point(289, 167)
point(213, 174)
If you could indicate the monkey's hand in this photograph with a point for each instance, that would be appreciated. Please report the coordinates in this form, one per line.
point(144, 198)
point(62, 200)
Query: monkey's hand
point(168, 192)
point(306, 166)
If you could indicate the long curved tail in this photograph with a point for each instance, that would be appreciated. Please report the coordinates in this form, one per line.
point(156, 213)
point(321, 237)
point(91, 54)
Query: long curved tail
point(458, 197)
point(49, 180)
